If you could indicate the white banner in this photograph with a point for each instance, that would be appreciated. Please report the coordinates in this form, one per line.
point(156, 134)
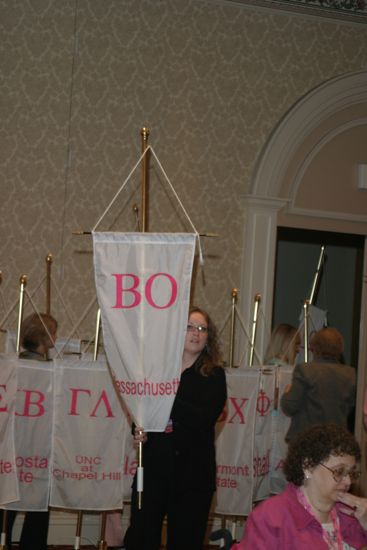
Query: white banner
point(235, 443)
point(89, 437)
point(280, 425)
point(250, 443)
point(8, 385)
point(143, 288)
point(263, 434)
point(32, 433)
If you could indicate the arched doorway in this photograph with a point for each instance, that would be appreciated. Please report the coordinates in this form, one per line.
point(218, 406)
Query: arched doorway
point(306, 177)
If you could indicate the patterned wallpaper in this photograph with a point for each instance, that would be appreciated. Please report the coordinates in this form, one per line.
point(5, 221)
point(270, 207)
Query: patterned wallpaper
point(79, 78)
point(352, 10)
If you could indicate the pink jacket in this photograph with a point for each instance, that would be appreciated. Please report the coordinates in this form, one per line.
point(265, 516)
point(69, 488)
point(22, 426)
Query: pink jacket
point(282, 523)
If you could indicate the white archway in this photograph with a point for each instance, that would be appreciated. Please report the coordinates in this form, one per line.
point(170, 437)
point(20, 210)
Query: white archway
point(264, 203)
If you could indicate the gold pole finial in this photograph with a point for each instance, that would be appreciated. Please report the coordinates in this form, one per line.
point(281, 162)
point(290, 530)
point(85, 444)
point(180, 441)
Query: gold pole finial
point(144, 132)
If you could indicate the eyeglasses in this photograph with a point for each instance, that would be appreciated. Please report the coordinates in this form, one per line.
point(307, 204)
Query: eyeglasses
point(340, 473)
point(201, 328)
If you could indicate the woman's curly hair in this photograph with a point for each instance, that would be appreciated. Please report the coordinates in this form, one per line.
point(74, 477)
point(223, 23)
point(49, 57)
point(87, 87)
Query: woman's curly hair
point(316, 444)
point(211, 355)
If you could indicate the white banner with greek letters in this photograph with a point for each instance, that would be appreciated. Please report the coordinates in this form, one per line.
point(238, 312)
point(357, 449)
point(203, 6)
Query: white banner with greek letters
point(89, 438)
point(9, 490)
point(235, 443)
point(143, 288)
point(32, 433)
point(280, 426)
point(263, 434)
point(250, 443)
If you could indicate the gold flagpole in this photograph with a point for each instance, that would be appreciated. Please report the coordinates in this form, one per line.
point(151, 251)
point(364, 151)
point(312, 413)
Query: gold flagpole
point(23, 283)
point(307, 303)
point(317, 275)
point(305, 319)
point(78, 531)
point(144, 228)
point(254, 328)
point(97, 334)
point(102, 545)
point(48, 283)
point(144, 132)
point(233, 321)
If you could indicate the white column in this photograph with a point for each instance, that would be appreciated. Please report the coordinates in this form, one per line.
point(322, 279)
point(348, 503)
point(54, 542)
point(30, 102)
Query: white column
point(258, 264)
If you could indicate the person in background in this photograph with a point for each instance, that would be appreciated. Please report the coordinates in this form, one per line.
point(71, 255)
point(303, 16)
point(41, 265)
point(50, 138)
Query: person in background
point(179, 464)
point(37, 337)
point(323, 390)
point(315, 511)
point(283, 345)
point(281, 354)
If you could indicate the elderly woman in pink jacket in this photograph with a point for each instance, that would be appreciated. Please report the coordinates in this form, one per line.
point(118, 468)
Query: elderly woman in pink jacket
point(316, 510)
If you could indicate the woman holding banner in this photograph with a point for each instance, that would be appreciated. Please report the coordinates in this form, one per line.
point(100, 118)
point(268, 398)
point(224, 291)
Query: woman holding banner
point(179, 464)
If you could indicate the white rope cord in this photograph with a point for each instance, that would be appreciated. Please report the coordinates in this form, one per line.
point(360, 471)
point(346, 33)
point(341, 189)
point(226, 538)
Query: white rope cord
point(59, 295)
point(180, 203)
point(225, 323)
point(7, 315)
point(247, 336)
point(149, 148)
point(121, 188)
point(40, 318)
point(81, 319)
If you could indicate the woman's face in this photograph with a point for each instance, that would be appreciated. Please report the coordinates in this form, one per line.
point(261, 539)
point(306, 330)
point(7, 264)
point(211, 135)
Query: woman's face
point(332, 477)
point(196, 334)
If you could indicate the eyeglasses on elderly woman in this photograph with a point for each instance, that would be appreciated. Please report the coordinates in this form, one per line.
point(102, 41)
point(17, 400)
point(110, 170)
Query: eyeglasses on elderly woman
point(340, 472)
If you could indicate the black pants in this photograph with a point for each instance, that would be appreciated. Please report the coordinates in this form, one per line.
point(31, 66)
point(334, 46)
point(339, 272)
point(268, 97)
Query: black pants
point(34, 531)
point(187, 516)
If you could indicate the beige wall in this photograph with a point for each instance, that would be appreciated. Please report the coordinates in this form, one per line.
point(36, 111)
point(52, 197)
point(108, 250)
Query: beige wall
point(79, 79)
